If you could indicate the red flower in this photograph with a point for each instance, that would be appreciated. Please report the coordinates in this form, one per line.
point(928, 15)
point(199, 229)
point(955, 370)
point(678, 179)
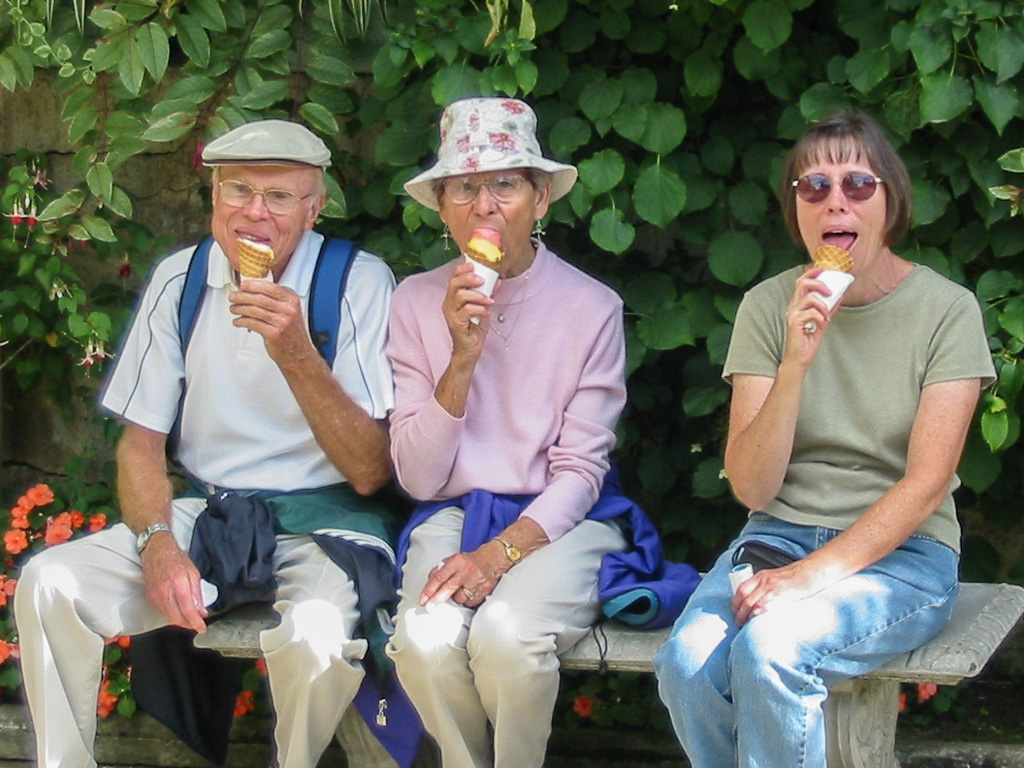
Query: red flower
point(244, 703)
point(107, 701)
point(5, 651)
point(39, 495)
point(585, 705)
point(77, 518)
point(15, 542)
point(58, 529)
point(926, 690)
point(903, 702)
point(261, 665)
point(97, 522)
point(125, 270)
point(513, 106)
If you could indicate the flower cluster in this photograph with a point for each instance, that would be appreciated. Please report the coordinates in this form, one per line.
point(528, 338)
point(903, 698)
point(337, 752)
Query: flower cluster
point(924, 691)
point(31, 526)
point(52, 529)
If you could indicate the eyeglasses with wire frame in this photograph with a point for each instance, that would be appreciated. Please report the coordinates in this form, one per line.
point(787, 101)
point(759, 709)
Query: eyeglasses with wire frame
point(857, 186)
point(505, 187)
point(238, 194)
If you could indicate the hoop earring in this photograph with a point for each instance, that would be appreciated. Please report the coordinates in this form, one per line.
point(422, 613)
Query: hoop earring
point(538, 230)
point(447, 237)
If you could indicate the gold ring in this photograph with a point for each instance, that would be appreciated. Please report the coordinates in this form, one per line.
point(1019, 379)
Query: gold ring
point(470, 595)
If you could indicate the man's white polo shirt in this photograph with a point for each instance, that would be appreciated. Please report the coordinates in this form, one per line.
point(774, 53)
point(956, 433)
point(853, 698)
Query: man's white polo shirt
point(241, 426)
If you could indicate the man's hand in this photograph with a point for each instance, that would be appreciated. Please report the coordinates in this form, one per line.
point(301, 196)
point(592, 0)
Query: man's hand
point(275, 313)
point(172, 583)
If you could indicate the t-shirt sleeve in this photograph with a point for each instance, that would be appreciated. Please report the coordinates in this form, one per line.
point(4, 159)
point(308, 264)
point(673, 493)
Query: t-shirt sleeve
point(144, 386)
point(959, 348)
point(758, 335)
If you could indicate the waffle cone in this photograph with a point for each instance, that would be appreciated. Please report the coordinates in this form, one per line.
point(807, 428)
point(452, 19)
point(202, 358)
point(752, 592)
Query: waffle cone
point(834, 258)
point(254, 260)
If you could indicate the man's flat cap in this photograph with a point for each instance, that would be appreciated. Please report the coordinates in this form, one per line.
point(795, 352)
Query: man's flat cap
point(268, 142)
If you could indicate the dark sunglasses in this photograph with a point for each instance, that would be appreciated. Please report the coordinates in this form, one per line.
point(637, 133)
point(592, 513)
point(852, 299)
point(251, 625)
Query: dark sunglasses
point(815, 187)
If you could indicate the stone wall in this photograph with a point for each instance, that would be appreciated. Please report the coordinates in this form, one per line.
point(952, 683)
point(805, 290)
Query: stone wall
point(37, 436)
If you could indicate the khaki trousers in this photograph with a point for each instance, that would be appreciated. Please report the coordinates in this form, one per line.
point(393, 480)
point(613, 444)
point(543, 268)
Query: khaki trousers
point(71, 597)
point(465, 669)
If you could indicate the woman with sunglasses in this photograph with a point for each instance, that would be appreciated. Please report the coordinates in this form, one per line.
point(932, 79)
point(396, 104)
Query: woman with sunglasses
point(845, 431)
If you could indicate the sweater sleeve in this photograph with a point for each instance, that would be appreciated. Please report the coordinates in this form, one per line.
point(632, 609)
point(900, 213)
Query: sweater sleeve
point(424, 436)
point(579, 459)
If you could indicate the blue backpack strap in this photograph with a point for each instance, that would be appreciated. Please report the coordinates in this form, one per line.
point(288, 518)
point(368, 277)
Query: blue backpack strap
point(329, 278)
point(192, 294)
point(193, 291)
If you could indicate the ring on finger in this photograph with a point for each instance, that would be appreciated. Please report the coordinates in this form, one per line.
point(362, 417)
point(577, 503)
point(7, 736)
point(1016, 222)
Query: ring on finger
point(469, 593)
point(810, 327)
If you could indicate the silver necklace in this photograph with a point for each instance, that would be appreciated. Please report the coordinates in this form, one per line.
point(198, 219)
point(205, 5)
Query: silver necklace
point(506, 338)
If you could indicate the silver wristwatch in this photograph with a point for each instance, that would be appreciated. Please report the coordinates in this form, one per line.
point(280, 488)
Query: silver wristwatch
point(143, 540)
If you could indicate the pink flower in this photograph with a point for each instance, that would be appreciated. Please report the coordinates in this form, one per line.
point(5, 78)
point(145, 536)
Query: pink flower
point(503, 141)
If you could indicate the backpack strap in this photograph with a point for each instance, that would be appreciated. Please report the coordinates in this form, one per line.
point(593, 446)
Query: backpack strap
point(328, 288)
point(193, 292)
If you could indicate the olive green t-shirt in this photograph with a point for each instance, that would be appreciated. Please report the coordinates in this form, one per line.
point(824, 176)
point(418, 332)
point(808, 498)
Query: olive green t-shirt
point(862, 391)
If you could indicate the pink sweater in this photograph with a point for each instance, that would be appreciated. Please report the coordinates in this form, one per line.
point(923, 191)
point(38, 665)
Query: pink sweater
point(542, 408)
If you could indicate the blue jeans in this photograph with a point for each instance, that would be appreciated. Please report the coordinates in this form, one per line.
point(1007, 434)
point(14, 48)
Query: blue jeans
point(753, 696)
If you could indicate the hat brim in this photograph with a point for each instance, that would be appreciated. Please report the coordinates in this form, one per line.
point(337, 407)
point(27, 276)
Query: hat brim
point(283, 163)
point(421, 186)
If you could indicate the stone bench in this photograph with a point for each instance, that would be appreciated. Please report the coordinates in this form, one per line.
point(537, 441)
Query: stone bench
point(860, 714)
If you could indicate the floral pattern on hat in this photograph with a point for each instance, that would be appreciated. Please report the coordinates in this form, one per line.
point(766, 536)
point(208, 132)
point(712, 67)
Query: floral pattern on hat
point(488, 134)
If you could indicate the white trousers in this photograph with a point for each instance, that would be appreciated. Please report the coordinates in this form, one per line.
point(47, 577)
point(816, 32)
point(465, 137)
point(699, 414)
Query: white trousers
point(464, 668)
point(72, 596)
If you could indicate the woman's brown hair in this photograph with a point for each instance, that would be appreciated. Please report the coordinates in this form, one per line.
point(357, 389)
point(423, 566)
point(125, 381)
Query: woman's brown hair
point(850, 136)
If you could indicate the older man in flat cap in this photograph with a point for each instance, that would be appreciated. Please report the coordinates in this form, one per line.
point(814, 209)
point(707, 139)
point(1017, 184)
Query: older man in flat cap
point(266, 430)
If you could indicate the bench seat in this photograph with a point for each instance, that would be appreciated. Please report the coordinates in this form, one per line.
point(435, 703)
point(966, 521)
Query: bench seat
point(860, 714)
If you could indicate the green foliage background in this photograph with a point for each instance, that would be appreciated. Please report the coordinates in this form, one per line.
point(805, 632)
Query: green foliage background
point(677, 114)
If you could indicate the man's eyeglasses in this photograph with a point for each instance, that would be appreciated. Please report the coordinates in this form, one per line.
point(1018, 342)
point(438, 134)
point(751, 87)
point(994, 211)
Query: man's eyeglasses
point(504, 188)
point(815, 187)
point(238, 194)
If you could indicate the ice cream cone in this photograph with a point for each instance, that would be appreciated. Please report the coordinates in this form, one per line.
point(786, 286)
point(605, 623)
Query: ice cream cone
point(254, 259)
point(837, 265)
point(833, 258)
point(484, 252)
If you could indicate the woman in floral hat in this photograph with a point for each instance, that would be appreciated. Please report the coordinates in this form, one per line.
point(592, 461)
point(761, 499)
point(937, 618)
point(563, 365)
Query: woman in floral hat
point(505, 414)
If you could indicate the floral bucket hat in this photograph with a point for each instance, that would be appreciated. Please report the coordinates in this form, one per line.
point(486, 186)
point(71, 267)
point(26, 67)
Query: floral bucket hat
point(488, 134)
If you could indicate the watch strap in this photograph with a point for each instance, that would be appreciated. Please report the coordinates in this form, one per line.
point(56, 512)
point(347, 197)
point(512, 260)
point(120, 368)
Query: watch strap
point(511, 551)
point(143, 538)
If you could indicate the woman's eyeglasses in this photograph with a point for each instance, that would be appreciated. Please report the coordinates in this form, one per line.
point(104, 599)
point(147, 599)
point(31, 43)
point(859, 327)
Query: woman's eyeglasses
point(815, 187)
point(238, 194)
point(504, 188)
